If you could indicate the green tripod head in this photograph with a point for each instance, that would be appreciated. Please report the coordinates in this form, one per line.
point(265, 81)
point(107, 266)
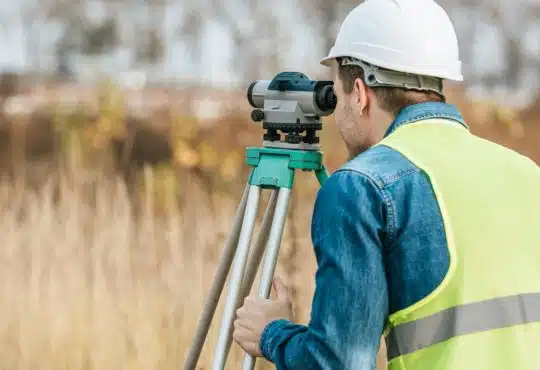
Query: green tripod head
point(293, 104)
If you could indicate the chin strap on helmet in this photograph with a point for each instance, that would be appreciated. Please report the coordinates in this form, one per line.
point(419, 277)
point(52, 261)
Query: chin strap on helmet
point(379, 77)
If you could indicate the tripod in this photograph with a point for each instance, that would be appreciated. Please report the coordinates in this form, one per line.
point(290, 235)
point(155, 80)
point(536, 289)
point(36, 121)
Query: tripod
point(273, 169)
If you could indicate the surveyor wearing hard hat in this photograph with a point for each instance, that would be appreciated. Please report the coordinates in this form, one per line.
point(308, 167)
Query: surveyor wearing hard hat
point(428, 235)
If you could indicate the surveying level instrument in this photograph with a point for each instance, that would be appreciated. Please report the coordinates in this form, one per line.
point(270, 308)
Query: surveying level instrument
point(290, 107)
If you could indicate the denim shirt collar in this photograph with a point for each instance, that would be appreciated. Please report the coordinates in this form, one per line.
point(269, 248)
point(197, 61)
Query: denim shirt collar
point(423, 111)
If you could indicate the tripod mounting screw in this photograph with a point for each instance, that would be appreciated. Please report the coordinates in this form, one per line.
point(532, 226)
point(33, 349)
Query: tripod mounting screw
point(257, 115)
point(293, 138)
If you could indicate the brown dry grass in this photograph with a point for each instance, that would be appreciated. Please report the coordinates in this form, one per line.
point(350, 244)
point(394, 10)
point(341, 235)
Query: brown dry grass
point(87, 283)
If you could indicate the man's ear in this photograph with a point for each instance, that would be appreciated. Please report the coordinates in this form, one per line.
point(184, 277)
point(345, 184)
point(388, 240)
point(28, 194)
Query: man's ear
point(361, 95)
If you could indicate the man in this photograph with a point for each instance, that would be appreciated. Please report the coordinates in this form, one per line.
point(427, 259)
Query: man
point(429, 235)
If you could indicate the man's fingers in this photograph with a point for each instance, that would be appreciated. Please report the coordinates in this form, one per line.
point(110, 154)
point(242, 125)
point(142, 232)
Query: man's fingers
point(250, 347)
point(244, 338)
point(241, 312)
point(245, 324)
point(240, 335)
point(251, 301)
point(247, 309)
point(240, 332)
point(252, 305)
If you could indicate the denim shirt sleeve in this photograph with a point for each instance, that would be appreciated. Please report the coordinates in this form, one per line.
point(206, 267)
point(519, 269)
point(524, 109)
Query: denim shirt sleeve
point(350, 303)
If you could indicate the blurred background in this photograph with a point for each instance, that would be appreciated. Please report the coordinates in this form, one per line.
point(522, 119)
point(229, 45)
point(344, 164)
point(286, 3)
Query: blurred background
point(123, 127)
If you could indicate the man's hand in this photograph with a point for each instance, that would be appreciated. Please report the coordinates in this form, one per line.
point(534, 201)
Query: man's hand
point(257, 313)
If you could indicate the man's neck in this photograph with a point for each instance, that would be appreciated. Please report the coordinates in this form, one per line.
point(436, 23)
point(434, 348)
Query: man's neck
point(382, 122)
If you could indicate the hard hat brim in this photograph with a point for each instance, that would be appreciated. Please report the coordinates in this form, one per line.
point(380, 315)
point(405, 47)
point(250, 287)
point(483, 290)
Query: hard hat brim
point(327, 62)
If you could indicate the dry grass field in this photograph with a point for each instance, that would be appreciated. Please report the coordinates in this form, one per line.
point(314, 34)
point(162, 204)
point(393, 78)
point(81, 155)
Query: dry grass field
point(104, 272)
point(88, 284)
point(106, 261)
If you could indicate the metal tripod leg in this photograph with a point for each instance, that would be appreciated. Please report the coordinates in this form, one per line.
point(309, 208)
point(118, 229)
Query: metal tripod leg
point(235, 289)
point(219, 281)
point(256, 255)
point(272, 253)
point(260, 245)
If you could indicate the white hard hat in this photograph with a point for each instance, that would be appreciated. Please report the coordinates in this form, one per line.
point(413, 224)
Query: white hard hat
point(411, 36)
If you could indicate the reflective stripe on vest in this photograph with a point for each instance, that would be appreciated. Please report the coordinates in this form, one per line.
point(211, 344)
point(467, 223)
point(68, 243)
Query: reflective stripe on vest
point(461, 320)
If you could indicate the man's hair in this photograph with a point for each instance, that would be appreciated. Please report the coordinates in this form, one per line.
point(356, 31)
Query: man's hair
point(391, 99)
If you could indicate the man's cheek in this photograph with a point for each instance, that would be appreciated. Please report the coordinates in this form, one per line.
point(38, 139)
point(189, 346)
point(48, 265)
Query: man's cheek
point(337, 114)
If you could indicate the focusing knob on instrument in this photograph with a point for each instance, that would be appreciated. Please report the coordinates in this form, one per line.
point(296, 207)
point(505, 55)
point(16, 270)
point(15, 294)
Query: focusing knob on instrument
point(257, 115)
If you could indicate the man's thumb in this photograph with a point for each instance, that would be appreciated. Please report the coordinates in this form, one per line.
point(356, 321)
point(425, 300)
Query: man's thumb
point(282, 291)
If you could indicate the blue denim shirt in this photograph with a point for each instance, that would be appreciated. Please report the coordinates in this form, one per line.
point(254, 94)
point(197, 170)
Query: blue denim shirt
point(380, 246)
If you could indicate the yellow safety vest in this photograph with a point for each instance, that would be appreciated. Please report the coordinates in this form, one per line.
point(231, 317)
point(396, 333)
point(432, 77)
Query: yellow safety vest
point(485, 315)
